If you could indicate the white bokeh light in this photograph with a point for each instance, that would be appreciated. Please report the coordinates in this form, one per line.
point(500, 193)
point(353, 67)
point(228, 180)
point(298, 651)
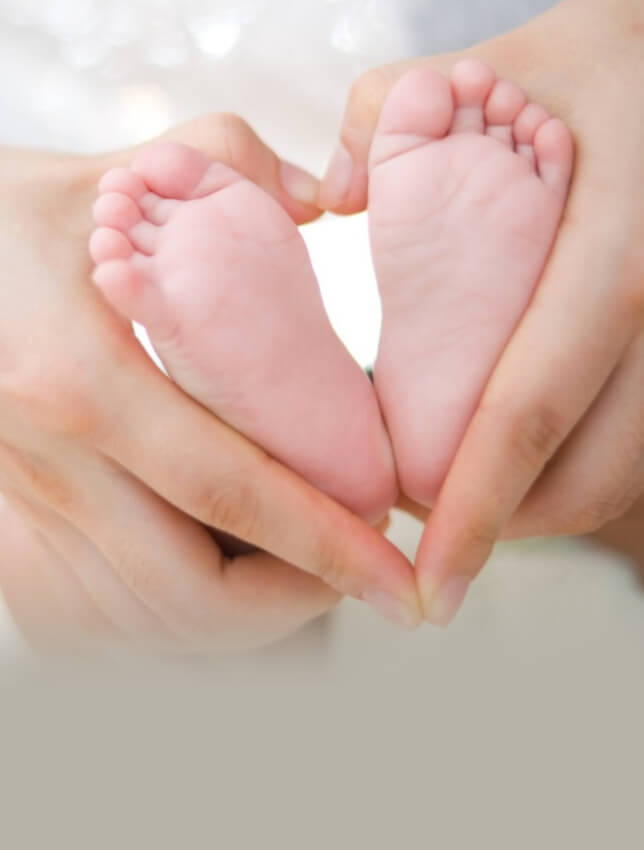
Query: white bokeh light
point(216, 36)
point(144, 112)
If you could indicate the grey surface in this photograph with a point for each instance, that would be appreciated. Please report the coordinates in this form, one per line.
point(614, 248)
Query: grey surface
point(519, 729)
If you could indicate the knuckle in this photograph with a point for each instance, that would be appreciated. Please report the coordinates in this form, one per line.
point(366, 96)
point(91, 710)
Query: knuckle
point(234, 124)
point(481, 533)
point(631, 278)
point(232, 505)
point(331, 568)
point(240, 142)
point(331, 556)
point(534, 434)
point(34, 475)
point(585, 512)
point(634, 295)
point(55, 398)
point(63, 407)
point(586, 520)
point(598, 512)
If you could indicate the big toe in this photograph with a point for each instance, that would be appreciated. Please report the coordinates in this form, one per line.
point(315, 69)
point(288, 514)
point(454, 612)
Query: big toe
point(107, 243)
point(420, 108)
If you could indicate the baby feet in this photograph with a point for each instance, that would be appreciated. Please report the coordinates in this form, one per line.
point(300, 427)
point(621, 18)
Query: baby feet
point(468, 182)
point(219, 275)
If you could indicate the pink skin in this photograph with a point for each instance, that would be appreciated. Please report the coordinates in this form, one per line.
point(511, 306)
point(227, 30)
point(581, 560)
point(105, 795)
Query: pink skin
point(468, 183)
point(219, 275)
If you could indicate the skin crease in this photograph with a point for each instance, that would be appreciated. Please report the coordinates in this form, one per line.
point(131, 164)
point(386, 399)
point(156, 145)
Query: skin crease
point(625, 534)
point(562, 452)
point(104, 462)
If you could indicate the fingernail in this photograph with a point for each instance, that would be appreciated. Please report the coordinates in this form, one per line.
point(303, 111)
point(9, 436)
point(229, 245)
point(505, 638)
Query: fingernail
point(299, 184)
point(336, 183)
point(447, 600)
point(392, 609)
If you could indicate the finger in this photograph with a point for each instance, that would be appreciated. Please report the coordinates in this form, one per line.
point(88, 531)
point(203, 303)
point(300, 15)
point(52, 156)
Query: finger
point(569, 342)
point(599, 472)
point(206, 470)
point(46, 601)
point(229, 139)
point(249, 602)
point(208, 601)
point(570, 498)
point(344, 186)
point(263, 600)
point(168, 565)
point(130, 618)
point(213, 474)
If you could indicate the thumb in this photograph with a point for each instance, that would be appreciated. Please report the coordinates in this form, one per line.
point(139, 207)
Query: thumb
point(229, 140)
point(344, 186)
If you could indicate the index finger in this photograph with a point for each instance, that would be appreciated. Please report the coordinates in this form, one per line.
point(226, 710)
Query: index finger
point(213, 474)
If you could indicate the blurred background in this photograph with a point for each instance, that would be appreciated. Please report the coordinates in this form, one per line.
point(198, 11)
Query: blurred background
point(531, 704)
point(94, 75)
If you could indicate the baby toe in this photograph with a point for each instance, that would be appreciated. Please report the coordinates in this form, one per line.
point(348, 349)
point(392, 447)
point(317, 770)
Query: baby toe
point(144, 237)
point(108, 244)
point(525, 127)
point(502, 108)
point(126, 286)
point(117, 211)
point(124, 181)
point(472, 81)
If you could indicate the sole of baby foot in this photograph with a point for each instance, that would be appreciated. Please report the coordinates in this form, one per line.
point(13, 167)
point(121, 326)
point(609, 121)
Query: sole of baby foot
point(219, 275)
point(468, 183)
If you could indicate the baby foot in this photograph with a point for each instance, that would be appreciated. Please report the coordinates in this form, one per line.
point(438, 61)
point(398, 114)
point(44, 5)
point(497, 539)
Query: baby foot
point(468, 182)
point(219, 275)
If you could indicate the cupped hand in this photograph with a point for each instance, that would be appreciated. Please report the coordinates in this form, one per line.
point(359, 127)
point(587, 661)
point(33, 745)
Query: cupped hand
point(122, 475)
point(557, 443)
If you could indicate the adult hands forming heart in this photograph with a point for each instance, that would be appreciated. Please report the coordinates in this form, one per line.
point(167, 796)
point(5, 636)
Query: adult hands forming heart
point(557, 443)
point(109, 460)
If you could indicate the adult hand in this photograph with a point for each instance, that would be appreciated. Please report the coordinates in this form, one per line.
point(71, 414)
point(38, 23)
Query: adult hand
point(119, 471)
point(557, 444)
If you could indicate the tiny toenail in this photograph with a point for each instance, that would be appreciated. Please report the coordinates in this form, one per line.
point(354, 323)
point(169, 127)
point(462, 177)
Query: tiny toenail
point(299, 184)
point(336, 183)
